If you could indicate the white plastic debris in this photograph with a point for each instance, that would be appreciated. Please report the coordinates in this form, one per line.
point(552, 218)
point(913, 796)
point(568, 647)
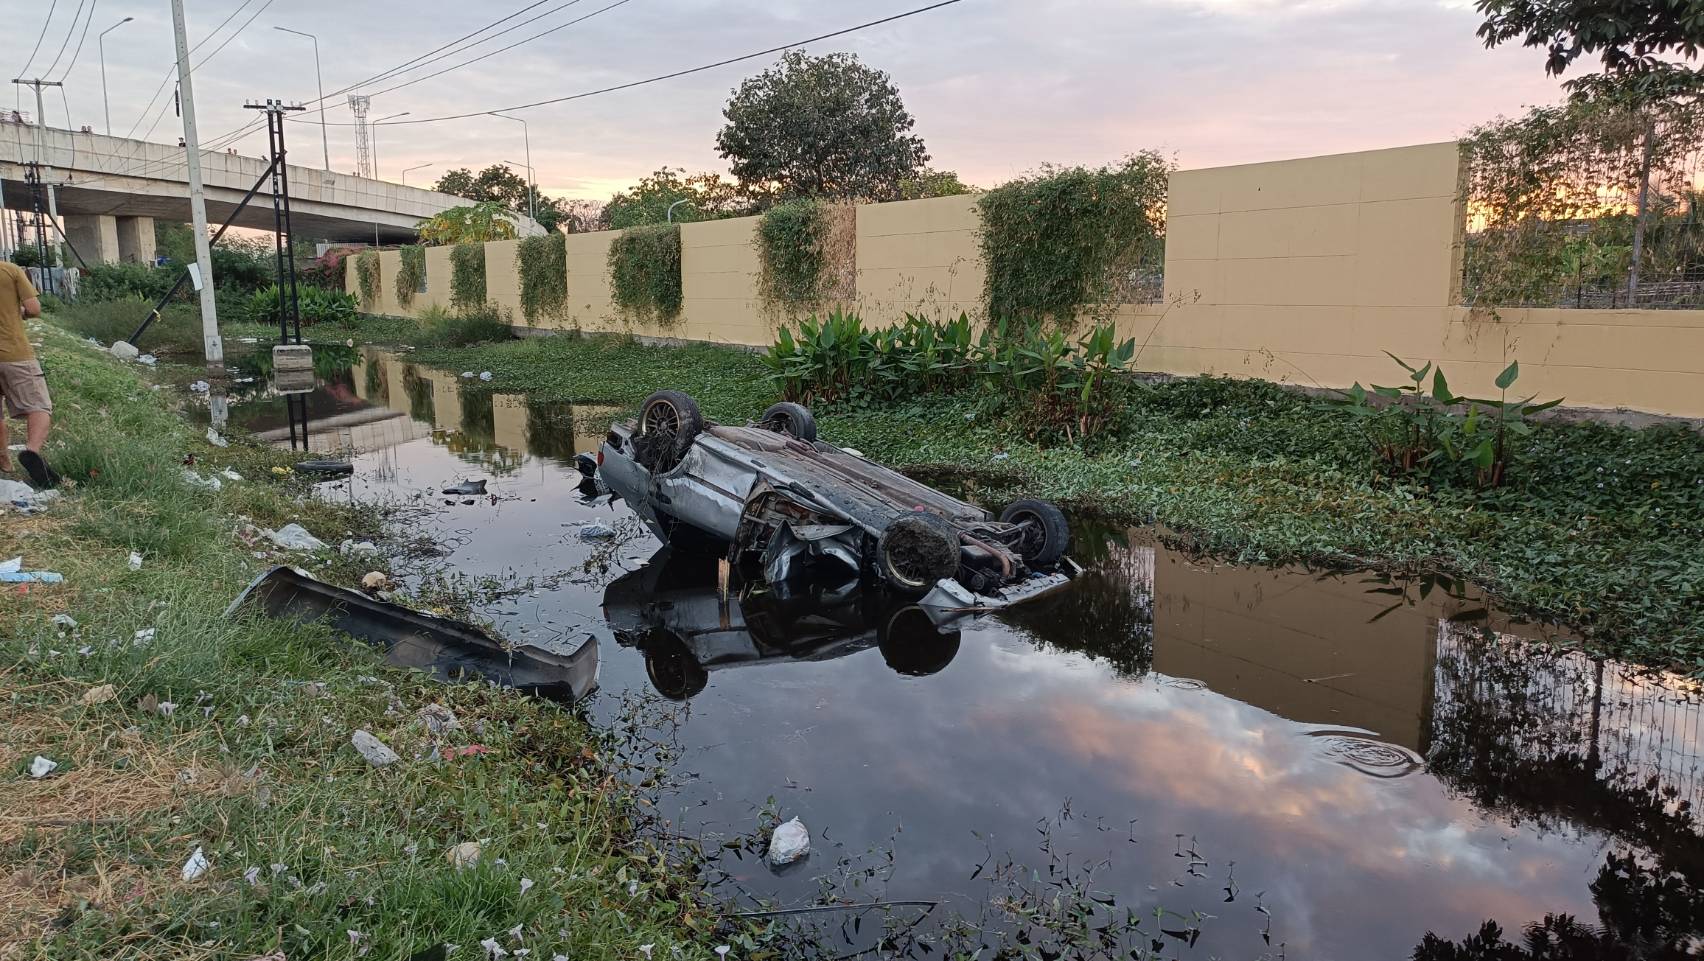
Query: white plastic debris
point(205, 483)
point(789, 843)
point(596, 531)
point(485, 375)
point(467, 375)
point(526, 885)
point(351, 548)
point(41, 767)
point(144, 636)
point(294, 537)
point(252, 876)
point(196, 867)
point(214, 438)
point(64, 622)
point(230, 474)
point(135, 561)
point(200, 387)
point(373, 749)
point(147, 360)
point(13, 492)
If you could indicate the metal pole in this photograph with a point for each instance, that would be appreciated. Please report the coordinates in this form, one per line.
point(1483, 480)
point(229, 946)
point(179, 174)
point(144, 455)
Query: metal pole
point(374, 136)
point(415, 167)
point(52, 195)
point(5, 238)
point(532, 181)
point(100, 41)
point(215, 349)
point(325, 139)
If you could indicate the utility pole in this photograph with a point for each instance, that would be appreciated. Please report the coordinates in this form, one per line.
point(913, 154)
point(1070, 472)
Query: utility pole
point(532, 181)
point(214, 348)
point(41, 123)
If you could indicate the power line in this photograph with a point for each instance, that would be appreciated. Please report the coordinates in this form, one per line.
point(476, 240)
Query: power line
point(511, 46)
point(43, 36)
point(405, 65)
point(68, 34)
point(80, 40)
point(667, 76)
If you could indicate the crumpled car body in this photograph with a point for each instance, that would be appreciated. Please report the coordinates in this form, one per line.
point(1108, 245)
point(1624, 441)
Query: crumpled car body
point(786, 505)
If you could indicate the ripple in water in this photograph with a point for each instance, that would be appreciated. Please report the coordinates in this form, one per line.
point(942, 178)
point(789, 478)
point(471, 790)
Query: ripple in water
point(1374, 758)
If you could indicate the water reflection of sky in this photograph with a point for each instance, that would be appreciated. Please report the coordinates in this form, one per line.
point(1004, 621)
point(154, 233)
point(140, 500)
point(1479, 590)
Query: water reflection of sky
point(1293, 750)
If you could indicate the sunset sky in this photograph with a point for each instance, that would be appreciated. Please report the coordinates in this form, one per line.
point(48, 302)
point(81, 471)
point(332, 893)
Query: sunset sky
point(997, 86)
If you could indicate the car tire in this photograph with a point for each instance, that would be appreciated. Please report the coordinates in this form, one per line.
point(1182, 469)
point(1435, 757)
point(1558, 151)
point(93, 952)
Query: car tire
point(794, 420)
point(669, 421)
point(912, 645)
point(1047, 536)
point(915, 551)
point(672, 670)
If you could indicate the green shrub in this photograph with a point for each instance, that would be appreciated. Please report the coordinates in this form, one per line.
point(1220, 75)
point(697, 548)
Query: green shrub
point(1057, 388)
point(543, 265)
point(1065, 239)
point(29, 255)
point(412, 276)
point(481, 325)
point(317, 305)
point(467, 276)
point(367, 278)
point(644, 271)
point(794, 242)
point(1432, 433)
point(119, 281)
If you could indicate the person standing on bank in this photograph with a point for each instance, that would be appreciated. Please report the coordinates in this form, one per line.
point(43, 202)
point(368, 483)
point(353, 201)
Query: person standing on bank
point(23, 389)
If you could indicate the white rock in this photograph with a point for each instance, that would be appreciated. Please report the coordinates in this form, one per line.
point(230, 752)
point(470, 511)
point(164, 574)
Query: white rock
point(789, 843)
point(375, 581)
point(41, 767)
point(196, 867)
point(124, 350)
point(373, 749)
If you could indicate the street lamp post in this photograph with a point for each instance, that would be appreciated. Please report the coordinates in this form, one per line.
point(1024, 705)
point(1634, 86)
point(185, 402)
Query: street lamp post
point(100, 41)
point(325, 139)
point(375, 137)
point(532, 182)
point(415, 167)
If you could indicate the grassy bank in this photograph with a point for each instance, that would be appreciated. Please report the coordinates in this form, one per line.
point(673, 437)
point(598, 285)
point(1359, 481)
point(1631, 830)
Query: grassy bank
point(232, 736)
point(1601, 528)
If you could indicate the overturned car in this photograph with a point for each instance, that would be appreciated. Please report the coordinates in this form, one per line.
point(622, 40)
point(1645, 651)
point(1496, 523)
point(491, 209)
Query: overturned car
point(771, 495)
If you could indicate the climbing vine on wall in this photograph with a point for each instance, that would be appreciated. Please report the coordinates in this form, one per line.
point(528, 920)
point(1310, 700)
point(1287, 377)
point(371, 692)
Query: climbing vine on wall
point(467, 276)
point(412, 276)
point(807, 249)
point(1065, 242)
point(644, 272)
point(367, 278)
point(543, 266)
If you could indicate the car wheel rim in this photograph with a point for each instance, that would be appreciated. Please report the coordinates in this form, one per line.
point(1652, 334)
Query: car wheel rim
point(662, 418)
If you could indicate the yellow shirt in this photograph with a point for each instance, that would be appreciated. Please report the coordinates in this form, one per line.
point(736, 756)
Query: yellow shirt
point(15, 288)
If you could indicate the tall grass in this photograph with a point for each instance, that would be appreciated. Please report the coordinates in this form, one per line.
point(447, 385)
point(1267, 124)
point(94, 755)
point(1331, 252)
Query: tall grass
point(465, 327)
point(178, 330)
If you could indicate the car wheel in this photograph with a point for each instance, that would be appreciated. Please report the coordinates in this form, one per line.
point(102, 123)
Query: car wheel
point(669, 421)
point(916, 551)
point(1046, 533)
point(673, 671)
point(794, 420)
point(912, 645)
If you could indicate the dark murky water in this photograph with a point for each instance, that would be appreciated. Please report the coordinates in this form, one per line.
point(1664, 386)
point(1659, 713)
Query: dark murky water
point(1310, 766)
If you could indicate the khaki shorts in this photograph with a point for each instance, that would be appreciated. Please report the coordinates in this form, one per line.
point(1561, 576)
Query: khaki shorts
point(24, 388)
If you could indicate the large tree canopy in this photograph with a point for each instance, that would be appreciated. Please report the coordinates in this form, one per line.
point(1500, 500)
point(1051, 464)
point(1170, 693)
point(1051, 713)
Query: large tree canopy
point(825, 126)
point(702, 196)
point(501, 184)
point(1628, 35)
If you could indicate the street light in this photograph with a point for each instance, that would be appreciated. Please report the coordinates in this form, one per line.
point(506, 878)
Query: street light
point(325, 139)
point(376, 139)
point(532, 182)
point(100, 41)
point(415, 167)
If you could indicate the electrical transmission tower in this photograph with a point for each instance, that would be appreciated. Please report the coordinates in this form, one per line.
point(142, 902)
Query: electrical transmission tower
point(359, 102)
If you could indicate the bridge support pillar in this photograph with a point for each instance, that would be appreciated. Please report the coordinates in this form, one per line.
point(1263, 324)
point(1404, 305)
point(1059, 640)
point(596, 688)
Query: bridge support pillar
point(94, 235)
point(136, 239)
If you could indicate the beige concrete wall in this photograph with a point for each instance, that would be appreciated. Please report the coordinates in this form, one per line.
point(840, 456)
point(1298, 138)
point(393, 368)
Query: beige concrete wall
point(1300, 271)
point(919, 256)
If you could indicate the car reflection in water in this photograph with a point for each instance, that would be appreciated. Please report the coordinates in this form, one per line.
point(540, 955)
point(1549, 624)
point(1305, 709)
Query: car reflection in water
point(676, 612)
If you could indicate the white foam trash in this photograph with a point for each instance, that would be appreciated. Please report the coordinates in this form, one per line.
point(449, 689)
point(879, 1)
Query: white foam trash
point(789, 843)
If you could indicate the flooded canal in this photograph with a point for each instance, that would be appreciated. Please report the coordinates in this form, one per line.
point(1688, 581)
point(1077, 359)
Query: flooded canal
point(1289, 764)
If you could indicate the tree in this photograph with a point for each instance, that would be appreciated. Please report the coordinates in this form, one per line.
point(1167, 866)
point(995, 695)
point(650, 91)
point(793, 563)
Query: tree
point(933, 183)
point(477, 223)
point(827, 127)
point(502, 184)
point(702, 196)
point(1629, 35)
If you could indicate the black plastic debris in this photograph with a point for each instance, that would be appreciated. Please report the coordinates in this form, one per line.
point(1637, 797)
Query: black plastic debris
point(466, 488)
point(325, 468)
